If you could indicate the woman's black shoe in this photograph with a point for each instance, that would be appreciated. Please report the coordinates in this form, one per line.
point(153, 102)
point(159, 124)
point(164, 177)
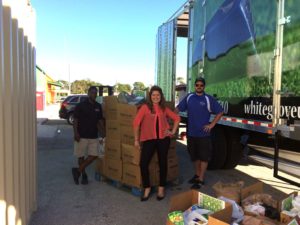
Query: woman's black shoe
point(145, 198)
point(159, 198)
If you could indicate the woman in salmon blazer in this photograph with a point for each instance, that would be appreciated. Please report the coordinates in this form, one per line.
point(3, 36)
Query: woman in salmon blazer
point(152, 134)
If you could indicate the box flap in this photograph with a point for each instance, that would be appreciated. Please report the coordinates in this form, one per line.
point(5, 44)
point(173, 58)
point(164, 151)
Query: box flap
point(210, 203)
point(252, 189)
point(222, 217)
point(286, 203)
point(182, 201)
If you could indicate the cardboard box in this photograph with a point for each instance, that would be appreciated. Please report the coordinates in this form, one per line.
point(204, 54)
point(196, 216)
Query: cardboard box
point(127, 113)
point(170, 105)
point(99, 165)
point(173, 173)
point(113, 169)
point(112, 129)
point(172, 149)
point(110, 108)
point(154, 172)
point(131, 154)
point(286, 205)
point(127, 135)
point(173, 143)
point(132, 175)
point(173, 169)
point(252, 189)
point(258, 188)
point(113, 148)
point(222, 213)
point(172, 161)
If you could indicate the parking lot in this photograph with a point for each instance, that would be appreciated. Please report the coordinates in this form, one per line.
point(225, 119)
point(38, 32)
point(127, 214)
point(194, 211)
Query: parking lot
point(62, 202)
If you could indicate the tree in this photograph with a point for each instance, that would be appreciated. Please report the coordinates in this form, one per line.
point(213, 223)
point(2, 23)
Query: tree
point(138, 86)
point(180, 80)
point(82, 86)
point(123, 87)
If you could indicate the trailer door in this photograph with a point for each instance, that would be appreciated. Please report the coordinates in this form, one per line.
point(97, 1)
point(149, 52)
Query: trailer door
point(286, 97)
point(166, 58)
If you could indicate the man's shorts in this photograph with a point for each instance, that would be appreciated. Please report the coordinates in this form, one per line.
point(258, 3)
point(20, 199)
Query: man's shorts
point(200, 148)
point(86, 146)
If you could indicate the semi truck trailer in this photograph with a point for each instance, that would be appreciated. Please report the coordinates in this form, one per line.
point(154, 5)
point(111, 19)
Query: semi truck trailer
point(248, 51)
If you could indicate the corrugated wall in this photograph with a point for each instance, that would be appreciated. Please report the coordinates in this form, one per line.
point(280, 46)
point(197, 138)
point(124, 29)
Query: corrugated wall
point(17, 112)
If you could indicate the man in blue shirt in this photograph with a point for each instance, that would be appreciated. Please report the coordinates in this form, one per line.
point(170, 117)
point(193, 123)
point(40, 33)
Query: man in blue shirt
point(199, 107)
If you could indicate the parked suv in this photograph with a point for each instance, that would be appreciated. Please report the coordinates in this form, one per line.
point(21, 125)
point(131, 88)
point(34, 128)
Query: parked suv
point(68, 106)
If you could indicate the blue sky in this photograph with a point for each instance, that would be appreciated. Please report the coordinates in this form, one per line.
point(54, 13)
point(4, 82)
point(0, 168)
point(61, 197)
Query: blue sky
point(105, 41)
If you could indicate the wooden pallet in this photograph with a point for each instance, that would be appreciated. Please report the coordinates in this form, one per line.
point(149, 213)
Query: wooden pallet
point(136, 191)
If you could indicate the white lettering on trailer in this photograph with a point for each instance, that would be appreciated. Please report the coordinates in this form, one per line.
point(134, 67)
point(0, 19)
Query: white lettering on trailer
point(224, 105)
point(257, 108)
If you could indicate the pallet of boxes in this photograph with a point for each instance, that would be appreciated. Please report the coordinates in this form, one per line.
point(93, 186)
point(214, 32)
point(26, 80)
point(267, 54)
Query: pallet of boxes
point(122, 158)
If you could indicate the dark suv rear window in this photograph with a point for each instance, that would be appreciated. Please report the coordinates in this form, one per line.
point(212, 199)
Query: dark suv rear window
point(67, 99)
point(83, 98)
point(75, 99)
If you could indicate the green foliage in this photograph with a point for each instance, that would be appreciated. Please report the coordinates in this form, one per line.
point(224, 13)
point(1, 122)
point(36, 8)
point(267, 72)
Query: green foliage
point(138, 85)
point(180, 80)
point(82, 86)
point(123, 87)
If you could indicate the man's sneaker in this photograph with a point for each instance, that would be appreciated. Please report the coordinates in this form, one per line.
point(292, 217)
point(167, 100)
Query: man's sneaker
point(194, 179)
point(201, 182)
point(76, 175)
point(84, 179)
point(196, 186)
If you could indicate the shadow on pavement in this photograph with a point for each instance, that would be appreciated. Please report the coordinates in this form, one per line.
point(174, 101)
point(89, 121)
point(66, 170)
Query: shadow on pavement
point(60, 201)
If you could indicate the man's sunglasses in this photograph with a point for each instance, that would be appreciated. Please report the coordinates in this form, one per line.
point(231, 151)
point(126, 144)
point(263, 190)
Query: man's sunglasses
point(199, 85)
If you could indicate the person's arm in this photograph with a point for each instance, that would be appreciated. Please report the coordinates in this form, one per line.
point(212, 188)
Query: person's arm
point(101, 128)
point(101, 122)
point(136, 137)
point(136, 125)
point(208, 127)
point(176, 120)
point(218, 110)
point(75, 124)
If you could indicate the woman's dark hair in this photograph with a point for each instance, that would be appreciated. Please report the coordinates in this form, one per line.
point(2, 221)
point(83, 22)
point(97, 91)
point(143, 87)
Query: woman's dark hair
point(162, 102)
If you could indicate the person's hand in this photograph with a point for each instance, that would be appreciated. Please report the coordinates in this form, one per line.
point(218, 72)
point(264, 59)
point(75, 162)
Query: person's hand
point(169, 133)
point(101, 141)
point(207, 128)
point(77, 137)
point(137, 144)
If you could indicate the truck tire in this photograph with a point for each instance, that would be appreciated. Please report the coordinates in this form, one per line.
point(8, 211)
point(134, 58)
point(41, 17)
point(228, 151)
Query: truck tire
point(219, 148)
point(234, 148)
point(70, 118)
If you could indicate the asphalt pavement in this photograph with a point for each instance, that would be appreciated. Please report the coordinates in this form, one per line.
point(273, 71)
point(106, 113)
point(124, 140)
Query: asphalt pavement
point(61, 202)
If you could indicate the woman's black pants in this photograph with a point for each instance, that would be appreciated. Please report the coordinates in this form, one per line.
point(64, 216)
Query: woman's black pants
point(148, 149)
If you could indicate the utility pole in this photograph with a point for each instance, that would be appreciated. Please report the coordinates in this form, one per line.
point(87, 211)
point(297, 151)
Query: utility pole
point(69, 71)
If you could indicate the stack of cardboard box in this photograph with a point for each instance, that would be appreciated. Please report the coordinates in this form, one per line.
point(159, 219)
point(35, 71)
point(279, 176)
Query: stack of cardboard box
point(173, 168)
point(112, 155)
point(122, 159)
point(130, 154)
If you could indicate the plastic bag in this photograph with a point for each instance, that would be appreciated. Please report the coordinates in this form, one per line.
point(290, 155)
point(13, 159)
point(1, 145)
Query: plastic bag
point(101, 148)
point(237, 211)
